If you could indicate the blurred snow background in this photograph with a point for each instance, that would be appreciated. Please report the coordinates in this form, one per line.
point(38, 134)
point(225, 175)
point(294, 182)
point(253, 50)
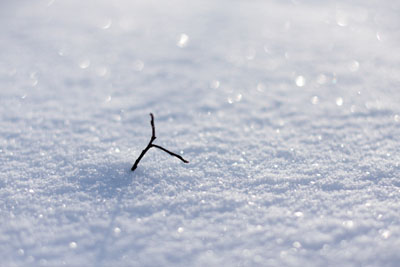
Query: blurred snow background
point(287, 111)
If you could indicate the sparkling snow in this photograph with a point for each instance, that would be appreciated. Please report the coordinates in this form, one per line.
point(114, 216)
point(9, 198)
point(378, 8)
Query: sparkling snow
point(288, 112)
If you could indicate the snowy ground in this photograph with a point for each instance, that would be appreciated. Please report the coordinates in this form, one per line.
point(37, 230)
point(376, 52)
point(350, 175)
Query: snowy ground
point(288, 112)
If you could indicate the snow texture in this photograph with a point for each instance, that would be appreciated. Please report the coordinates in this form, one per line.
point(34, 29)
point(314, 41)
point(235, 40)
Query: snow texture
point(288, 112)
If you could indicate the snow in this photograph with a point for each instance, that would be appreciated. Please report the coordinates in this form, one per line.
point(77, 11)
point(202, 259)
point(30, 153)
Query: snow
point(287, 111)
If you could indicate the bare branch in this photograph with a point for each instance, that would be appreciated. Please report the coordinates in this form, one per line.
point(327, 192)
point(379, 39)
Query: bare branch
point(171, 153)
point(150, 145)
point(153, 128)
point(140, 157)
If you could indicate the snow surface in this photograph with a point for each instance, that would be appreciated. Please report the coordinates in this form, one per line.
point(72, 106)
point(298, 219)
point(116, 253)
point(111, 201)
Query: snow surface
point(288, 112)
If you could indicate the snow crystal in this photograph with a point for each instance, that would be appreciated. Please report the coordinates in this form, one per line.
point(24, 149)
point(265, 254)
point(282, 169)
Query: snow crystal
point(84, 64)
point(296, 244)
point(106, 24)
point(385, 234)
point(183, 40)
point(298, 214)
point(214, 84)
point(339, 101)
point(300, 81)
point(315, 100)
point(21, 252)
point(117, 231)
point(73, 245)
point(354, 66)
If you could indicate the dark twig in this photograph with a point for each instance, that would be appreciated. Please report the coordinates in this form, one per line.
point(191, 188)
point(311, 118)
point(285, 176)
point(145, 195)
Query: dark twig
point(171, 153)
point(150, 145)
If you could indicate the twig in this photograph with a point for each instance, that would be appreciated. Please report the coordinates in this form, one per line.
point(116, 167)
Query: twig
point(150, 145)
point(171, 153)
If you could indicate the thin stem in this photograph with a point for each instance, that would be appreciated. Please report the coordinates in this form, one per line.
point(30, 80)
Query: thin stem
point(171, 153)
point(153, 137)
point(150, 145)
point(153, 128)
point(140, 157)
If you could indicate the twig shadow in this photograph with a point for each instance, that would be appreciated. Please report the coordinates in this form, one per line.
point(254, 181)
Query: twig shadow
point(102, 180)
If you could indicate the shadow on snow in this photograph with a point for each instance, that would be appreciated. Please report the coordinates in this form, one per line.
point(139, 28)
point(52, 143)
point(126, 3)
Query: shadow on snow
point(106, 180)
